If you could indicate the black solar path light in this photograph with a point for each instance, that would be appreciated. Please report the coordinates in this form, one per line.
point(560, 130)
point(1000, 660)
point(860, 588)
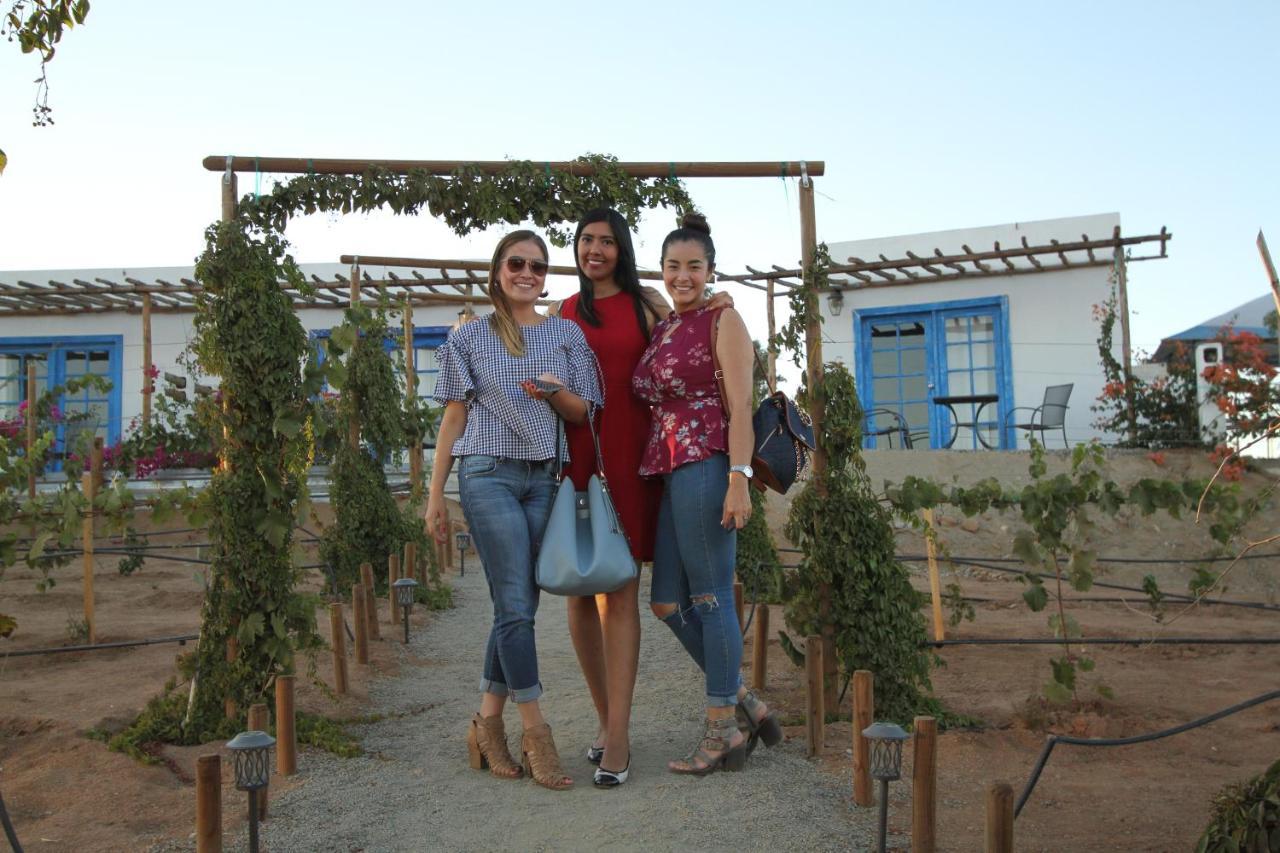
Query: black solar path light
point(252, 752)
point(405, 588)
point(462, 539)
point(885, 740)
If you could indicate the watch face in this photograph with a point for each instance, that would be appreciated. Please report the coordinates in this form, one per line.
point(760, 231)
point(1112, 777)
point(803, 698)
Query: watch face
point(744, 469)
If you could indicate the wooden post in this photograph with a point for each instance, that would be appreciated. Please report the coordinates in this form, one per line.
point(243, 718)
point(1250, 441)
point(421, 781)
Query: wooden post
point(229, 709)
point(999, 834)
point(209, 804)
point(1126, 351)
point(371, 601)
point(813, 352)
point(770, 316)
point(411, 393)
point(148, 384)
point(410, 566)
point(95, 462)
point(360, 616)
point(1270, 267)
point(924, 785)
point(260, 721)
point(338, 639)
point(863, 710)
point(393, 575)
point(86, 532)
point(739, 606)
point(229, 194)
point(760, 648)
point(935, 582)
point(815, 723)
point(286, 727)
point(353, 427)
point(31, 427)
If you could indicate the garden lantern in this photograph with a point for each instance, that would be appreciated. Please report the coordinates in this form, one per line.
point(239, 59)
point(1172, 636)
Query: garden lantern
point(886, 765)
point(252, 752)
point(462, 539)
point(405, 589)
point(835, 301)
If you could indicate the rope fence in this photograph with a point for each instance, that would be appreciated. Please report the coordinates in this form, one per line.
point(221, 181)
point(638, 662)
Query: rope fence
point(1054, 740)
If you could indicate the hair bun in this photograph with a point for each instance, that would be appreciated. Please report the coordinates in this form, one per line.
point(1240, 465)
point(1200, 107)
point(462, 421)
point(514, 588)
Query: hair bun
point(695, 221)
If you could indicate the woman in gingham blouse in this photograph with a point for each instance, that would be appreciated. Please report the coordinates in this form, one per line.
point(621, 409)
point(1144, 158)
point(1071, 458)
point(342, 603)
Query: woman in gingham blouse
point(501, 425)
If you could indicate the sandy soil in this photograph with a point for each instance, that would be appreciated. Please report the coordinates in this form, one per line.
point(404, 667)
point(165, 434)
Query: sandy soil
point(67, 792)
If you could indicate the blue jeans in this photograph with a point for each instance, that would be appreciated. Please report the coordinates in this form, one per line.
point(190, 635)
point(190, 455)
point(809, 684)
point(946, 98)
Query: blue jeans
point(693, 560)
point(506, 503)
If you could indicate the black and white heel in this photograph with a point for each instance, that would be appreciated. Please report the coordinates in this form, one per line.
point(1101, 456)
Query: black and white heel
point(595, 754)
point(611, 778)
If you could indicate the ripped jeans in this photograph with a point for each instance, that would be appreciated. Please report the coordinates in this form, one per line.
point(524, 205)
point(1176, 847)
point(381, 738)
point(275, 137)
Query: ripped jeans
point(693, 561)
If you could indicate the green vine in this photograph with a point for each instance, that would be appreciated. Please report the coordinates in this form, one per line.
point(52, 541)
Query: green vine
point(470, 200)
point(1059, 513)
point(847, 541)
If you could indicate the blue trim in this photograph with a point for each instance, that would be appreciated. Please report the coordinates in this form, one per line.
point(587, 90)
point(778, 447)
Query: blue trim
point(56, 347)
point(423, 336)
point(934, 315)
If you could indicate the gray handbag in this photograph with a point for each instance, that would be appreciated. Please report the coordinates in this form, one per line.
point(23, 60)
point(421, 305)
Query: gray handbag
point(584, 548)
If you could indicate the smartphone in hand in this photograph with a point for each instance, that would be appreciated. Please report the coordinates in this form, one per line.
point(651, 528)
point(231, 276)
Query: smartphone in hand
point(547, 387)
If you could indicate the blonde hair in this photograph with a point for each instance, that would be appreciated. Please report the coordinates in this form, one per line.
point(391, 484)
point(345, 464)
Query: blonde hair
point(503, 324)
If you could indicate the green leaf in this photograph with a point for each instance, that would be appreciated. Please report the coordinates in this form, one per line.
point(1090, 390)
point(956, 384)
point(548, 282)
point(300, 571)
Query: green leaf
point(38, 546)
point(278, 626)
point(7, 625)
point(1036, 597)
point(1064, 672)
point(1081, 569)
point(1026, 549)
point(1104, 691)
point(1055, 692)
point(251, 628)
point(1086, 664)
point(287, 425)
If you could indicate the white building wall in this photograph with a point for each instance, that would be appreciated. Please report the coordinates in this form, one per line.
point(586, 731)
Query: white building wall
point(171, 333)
point(1052, 332)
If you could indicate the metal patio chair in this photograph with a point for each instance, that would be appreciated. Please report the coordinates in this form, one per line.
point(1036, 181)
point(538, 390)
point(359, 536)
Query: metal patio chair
point(898, 426)
point(1050, 414)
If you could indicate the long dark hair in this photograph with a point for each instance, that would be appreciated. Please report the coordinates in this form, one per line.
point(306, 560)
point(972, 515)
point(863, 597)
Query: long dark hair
point(624, 273)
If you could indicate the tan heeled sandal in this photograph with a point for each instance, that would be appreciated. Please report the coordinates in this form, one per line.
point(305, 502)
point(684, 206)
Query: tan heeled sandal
point(713, 752)
point(542, 761)
point(487, 747)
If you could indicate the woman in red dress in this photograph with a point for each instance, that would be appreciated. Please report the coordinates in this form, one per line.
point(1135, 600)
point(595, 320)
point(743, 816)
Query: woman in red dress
point(615, 314)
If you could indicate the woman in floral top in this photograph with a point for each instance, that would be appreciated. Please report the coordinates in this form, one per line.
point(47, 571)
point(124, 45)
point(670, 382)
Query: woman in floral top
point(700, 444)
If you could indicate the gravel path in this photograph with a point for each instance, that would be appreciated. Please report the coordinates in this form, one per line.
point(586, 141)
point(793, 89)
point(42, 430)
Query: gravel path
point(413, 790)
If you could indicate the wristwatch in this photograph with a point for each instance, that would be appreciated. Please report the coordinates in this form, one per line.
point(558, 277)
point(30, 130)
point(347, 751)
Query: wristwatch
point(744, 470)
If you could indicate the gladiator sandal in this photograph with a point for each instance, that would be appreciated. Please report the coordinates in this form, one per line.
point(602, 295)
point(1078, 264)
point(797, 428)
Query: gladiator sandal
point(713, 751)
point(766, 727)
point(541, 761)
point(487, 746)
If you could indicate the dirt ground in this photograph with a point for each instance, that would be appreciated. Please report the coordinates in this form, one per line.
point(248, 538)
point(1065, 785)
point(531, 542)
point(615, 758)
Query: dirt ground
point(65, 791)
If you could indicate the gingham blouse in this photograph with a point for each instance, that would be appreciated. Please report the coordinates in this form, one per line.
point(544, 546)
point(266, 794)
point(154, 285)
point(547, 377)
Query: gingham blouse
point(501, 419)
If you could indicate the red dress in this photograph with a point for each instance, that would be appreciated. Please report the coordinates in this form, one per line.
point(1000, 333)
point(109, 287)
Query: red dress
point(623, 423)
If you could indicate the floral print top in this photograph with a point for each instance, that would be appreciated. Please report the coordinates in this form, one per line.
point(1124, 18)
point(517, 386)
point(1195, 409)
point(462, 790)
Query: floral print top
point(677, 377)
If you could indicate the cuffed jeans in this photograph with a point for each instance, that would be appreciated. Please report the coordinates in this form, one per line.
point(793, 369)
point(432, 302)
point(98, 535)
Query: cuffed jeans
point(693, 560)
point(506, 503)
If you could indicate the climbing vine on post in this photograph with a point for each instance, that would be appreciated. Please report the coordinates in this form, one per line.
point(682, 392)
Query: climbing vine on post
point(250, 338)
point(847, 542)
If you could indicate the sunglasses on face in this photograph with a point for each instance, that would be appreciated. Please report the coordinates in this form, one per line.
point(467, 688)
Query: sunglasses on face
point(515, 264)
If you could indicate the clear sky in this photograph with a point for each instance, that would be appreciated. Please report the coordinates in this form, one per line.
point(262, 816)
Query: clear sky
point(929, 116)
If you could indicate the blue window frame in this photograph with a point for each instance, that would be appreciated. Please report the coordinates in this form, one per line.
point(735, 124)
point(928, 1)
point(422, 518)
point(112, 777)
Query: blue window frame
point(908, 355)
point(425, 341)
point(57, 360)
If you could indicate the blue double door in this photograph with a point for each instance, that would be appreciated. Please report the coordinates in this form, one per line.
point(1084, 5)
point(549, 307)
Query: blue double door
point(908, 356)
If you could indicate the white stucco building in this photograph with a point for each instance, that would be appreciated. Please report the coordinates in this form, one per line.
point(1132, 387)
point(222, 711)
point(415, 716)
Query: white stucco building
point(1000, 312)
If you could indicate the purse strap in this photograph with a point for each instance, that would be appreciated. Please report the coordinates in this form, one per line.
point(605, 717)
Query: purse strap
point(719, 372)
point(595, 440)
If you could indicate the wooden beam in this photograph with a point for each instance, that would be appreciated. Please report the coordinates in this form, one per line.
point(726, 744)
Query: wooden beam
point(324, 166)
point(148, 385)
point(1270, 267)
